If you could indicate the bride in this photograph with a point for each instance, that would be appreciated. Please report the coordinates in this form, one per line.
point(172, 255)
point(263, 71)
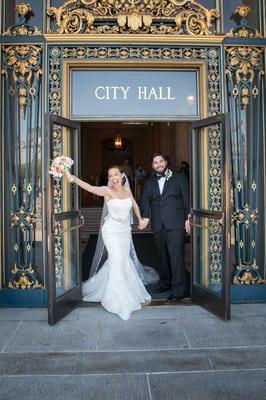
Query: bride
point(118, 283)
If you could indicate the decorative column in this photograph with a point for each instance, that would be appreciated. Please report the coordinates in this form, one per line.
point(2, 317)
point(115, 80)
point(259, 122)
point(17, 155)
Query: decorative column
point(22, 71)
point(244, 69)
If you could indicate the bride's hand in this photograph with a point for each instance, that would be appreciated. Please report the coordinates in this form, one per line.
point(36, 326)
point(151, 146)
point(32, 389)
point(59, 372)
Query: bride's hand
point(141, 225)
point(69, 177)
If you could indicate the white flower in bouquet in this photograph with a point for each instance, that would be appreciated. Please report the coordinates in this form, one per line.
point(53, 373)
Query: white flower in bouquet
point(60, 166)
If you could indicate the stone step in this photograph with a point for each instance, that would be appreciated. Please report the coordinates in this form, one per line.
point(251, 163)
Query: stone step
point(177, 352)
point(207, 385)
point(133, 362)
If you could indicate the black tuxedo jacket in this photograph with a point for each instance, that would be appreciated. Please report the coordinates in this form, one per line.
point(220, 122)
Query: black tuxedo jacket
point(169, 209)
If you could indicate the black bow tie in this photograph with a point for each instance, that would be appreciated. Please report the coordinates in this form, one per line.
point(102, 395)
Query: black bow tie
point(159, 176)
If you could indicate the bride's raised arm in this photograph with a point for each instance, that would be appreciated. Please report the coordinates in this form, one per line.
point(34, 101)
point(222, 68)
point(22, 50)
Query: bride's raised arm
point(98, 190)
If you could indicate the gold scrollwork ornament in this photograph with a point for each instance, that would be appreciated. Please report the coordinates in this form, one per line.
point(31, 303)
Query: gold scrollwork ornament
point(23, 61)
point(243, 63)
point(134, 16)
point(24, 281)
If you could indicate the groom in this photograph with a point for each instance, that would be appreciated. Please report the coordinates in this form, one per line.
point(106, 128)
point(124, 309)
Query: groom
point(165, 201)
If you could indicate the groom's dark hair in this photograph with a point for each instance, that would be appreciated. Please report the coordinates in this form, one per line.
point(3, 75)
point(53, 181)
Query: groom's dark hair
point(158, 153)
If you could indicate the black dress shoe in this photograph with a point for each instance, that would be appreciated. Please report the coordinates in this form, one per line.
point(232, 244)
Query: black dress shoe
point(162, 289)
point(173, 297)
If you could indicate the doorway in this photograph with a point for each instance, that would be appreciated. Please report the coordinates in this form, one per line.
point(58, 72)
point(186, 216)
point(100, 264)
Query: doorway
point(104, 144)
point(210, 219)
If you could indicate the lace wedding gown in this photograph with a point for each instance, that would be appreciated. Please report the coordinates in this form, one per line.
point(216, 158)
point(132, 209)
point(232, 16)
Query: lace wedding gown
point(117, 284)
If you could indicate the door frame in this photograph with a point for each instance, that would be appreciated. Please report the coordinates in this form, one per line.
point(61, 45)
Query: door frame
point(59, 307)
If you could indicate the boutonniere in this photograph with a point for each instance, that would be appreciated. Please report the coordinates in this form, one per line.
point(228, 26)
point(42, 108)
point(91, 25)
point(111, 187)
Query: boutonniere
point(168, 174)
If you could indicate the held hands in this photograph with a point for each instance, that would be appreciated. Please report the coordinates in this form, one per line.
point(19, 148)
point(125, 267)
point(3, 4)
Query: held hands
point(143, 223)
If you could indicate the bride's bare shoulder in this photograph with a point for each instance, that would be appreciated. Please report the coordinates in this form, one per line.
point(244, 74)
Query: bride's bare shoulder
point(108, 193)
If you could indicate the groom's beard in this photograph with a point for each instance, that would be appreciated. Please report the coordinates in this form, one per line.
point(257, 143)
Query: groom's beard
point(161, 172)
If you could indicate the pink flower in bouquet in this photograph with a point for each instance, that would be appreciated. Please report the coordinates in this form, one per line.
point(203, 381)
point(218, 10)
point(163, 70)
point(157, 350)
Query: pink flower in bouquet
point(58, 169)
point(60, 166)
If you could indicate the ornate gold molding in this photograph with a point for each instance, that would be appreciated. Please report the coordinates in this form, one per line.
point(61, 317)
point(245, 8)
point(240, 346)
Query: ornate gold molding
point(246, 216)
point(22, 218)
point(139, 38)
point(24, 280)
point(243, 30)
point(134, 16)
point(247, 275)
point(22, 60)
point(24, 11)
point(242, 64)
point(22, 70)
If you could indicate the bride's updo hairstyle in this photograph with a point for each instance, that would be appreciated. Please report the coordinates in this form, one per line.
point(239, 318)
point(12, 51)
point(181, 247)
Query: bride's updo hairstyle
point(120, 170)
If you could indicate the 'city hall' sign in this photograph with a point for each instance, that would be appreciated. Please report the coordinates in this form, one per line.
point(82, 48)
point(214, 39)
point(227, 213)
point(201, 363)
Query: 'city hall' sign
point(127, 95)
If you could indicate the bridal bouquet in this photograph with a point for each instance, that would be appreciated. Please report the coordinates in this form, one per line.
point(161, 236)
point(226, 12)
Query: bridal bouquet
point(60, 166)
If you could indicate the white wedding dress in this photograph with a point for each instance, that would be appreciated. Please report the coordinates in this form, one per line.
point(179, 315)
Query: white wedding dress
point(117, 284)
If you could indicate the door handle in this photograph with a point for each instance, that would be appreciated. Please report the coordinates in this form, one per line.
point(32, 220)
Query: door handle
point(210, 228)
point(58, 231)
point(196, 225)
point(199, 225)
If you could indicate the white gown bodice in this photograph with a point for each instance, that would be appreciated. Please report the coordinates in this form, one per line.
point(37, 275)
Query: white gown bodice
point(118, 217)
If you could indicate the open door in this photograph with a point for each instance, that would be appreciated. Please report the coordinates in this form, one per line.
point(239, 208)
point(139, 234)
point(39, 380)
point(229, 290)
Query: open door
point(63, 221)
point(210, 214)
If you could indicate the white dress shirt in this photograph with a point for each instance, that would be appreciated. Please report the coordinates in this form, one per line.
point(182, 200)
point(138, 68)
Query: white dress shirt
point(161, 182)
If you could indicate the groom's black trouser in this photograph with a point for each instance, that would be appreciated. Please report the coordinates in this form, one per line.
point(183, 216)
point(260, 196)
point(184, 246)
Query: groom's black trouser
point(171, 247)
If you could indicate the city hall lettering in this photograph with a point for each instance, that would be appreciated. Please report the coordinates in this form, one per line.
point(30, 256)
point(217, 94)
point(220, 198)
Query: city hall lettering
point(133, 94)
point(143, 93)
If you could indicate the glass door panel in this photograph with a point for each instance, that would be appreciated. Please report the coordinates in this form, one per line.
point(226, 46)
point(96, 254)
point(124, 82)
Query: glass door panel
point(210, 214)
point(66, 226)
